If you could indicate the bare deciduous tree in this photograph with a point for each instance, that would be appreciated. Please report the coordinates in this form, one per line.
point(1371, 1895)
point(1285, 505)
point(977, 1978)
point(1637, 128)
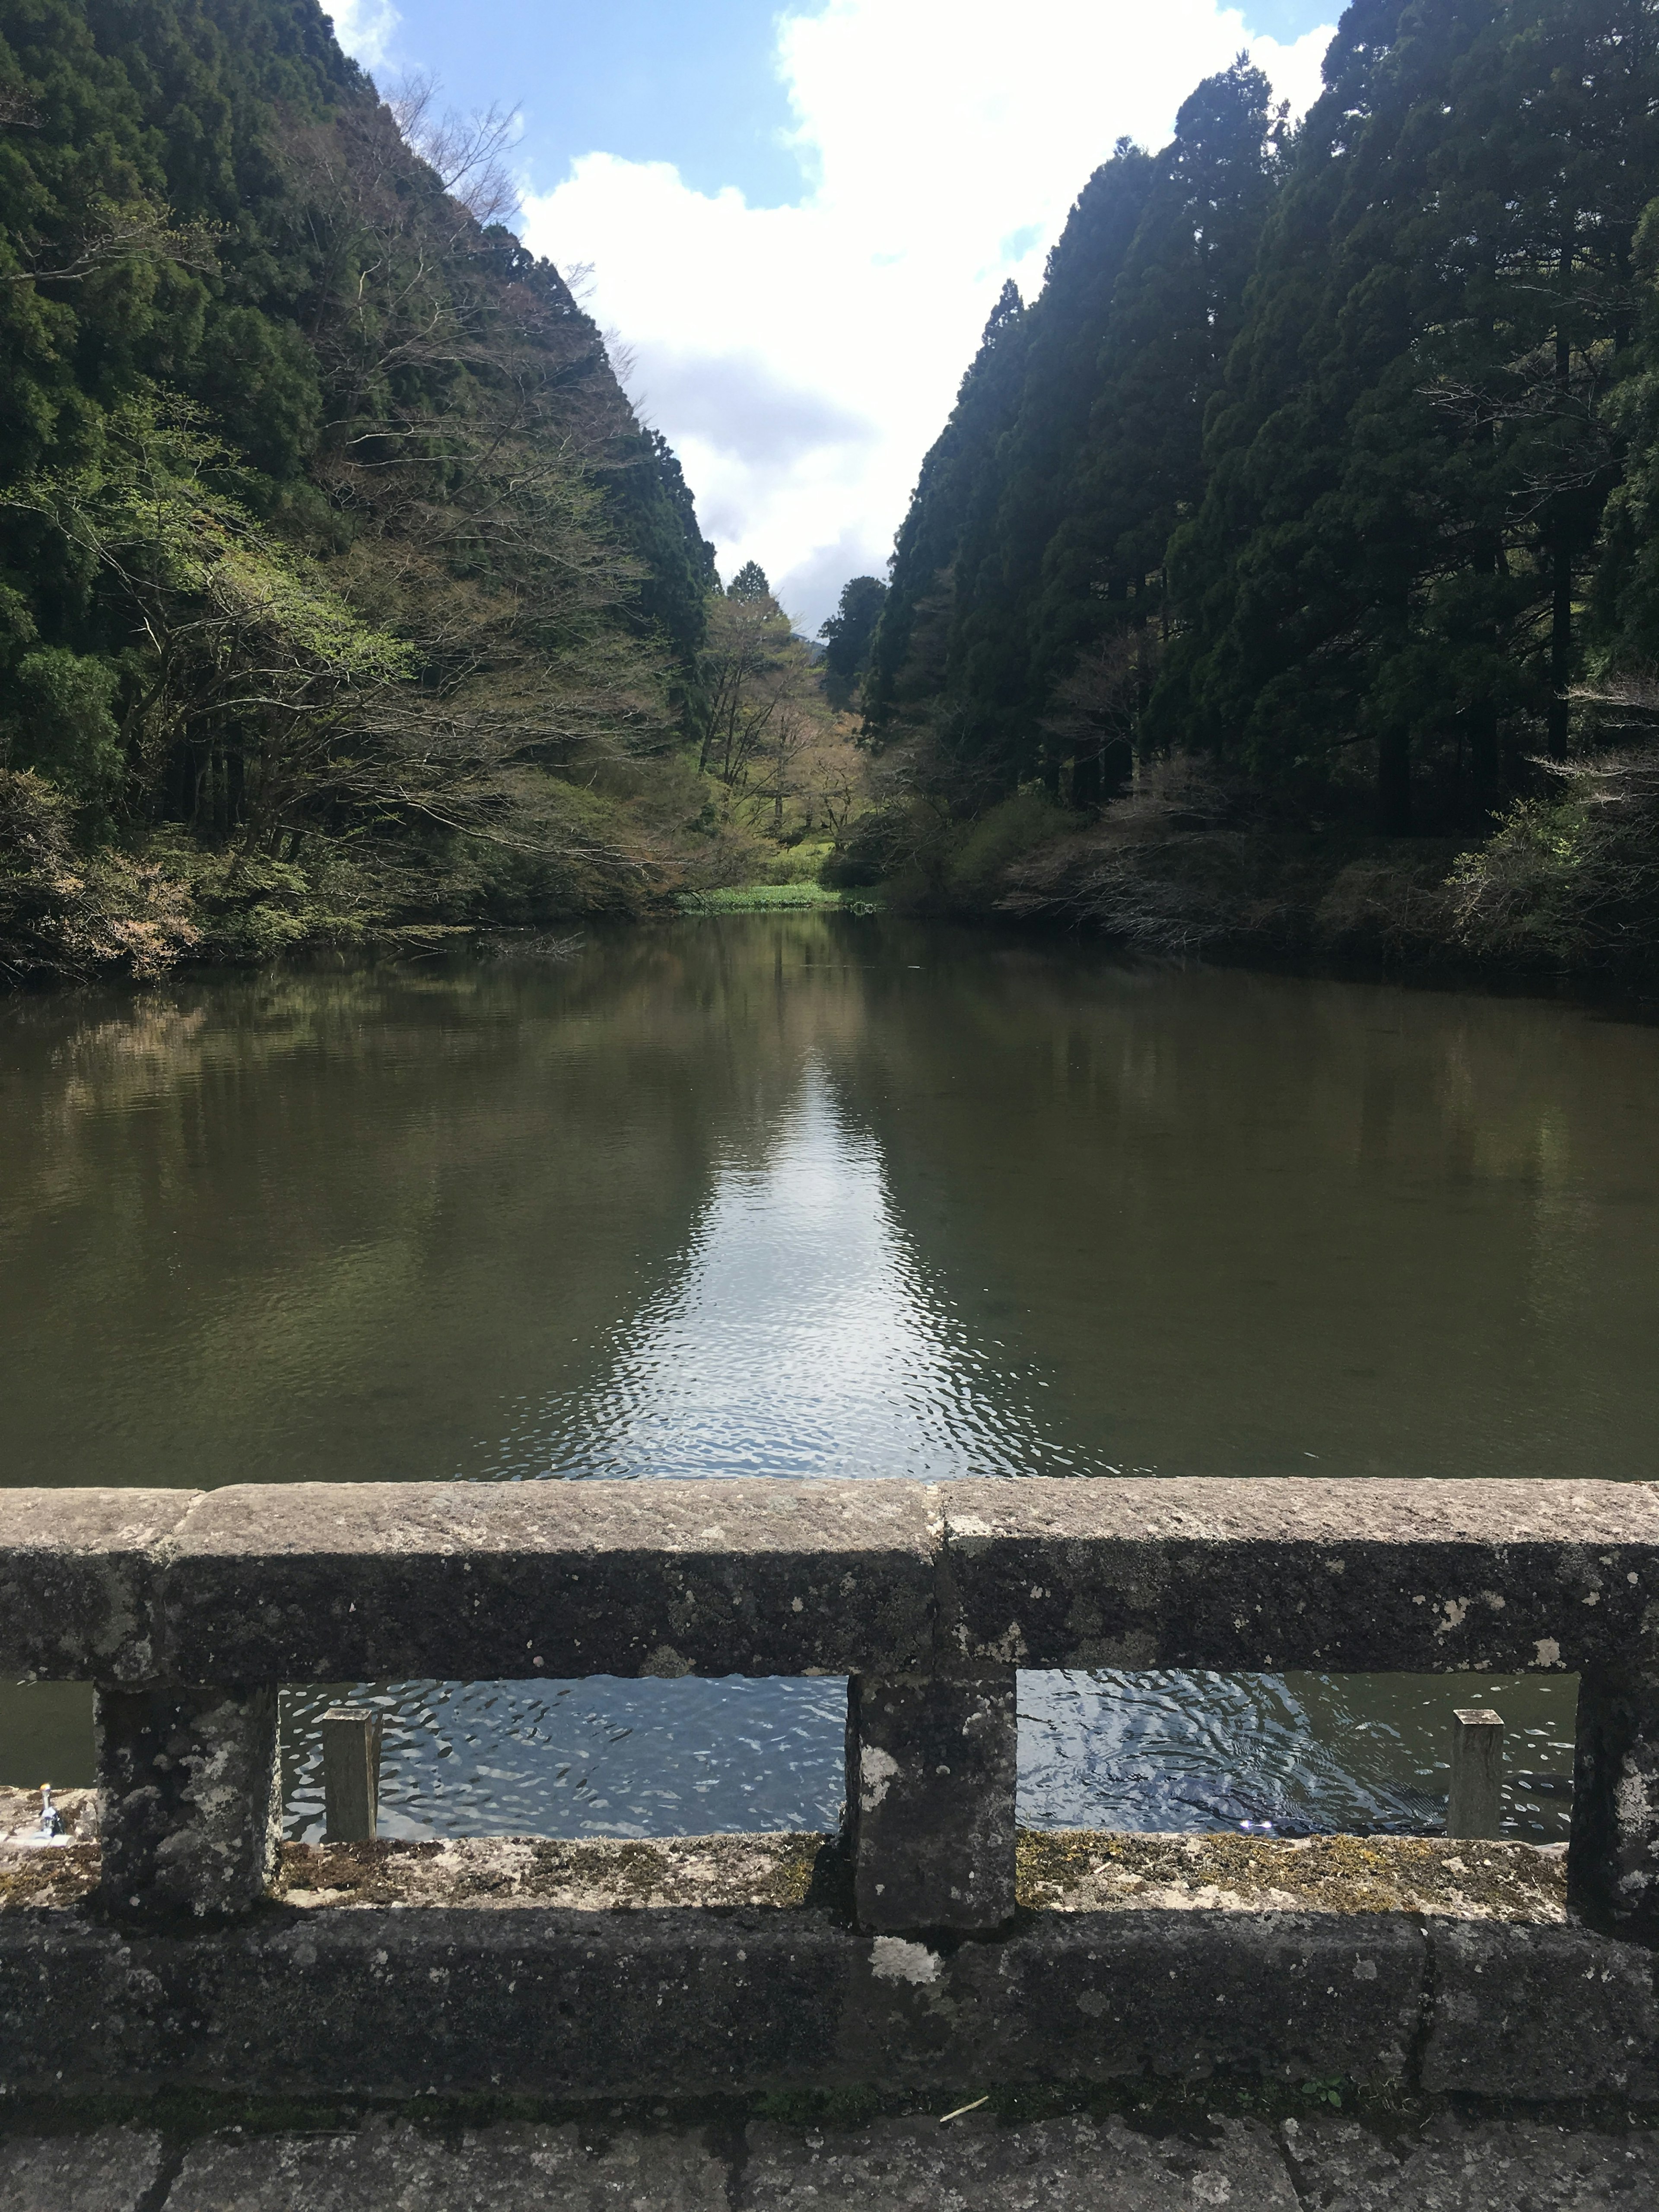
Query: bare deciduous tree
point(467, 153)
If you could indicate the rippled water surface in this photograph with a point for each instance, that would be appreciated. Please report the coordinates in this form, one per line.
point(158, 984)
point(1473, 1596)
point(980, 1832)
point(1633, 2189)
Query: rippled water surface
point(816, 1194)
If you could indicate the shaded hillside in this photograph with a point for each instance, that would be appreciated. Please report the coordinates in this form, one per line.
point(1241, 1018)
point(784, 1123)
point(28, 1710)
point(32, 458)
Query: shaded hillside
point(340, 589)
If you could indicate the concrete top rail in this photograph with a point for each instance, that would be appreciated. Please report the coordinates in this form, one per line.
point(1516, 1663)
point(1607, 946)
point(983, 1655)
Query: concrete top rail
point(459, 1581)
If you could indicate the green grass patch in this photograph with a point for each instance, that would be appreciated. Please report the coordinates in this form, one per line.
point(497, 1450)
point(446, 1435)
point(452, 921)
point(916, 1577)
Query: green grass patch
point(762, 898)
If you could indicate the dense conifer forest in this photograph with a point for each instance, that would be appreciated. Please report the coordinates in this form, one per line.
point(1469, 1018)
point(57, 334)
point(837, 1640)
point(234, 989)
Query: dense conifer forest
point(1287, 572)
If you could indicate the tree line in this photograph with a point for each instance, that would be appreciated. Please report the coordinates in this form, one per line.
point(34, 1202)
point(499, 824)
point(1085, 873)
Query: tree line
point(1327, 453)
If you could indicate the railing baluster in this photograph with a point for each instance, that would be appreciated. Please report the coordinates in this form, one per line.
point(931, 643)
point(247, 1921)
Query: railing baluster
point(931, 1770)
point(189, 1811)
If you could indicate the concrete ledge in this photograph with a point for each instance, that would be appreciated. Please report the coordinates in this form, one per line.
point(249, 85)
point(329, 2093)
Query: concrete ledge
point(331, 1582)
point(1056, 1870)
point(1356, 1576)
point(386, 2000)
point(80, 1575)
point(473, 1581)
point(1088, 1870)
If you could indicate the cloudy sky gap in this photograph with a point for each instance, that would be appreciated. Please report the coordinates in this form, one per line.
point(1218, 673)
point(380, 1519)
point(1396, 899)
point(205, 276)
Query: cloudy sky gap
point(798, 218)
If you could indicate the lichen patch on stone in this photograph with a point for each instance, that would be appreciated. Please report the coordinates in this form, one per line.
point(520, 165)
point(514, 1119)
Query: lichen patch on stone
point(1085, 1870)
point(588, 1874)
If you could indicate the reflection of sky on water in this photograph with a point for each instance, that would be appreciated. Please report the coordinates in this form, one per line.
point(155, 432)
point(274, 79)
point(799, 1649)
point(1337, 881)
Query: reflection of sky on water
point(600, 1757)
point(799, 1338)
point(1097, 1749)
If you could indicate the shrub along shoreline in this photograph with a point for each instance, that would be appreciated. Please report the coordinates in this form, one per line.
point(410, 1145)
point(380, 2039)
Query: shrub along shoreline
point(1193, 863)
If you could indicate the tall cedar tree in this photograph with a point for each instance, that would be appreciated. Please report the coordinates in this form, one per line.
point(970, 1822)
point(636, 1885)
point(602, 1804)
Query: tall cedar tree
point(847, 636)
point(1062, 506)
point(1408, 464)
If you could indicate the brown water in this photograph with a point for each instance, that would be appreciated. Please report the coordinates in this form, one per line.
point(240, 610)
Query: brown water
point(810, 1194)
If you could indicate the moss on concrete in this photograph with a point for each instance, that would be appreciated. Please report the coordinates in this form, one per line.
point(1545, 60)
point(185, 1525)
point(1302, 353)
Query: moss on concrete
point(592, 1874)
point(1080, 1870)
point(1068, 1870)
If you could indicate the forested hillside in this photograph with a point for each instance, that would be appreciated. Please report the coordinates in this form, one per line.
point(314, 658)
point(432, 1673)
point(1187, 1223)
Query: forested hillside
point(341, 593)
point(1309, 510)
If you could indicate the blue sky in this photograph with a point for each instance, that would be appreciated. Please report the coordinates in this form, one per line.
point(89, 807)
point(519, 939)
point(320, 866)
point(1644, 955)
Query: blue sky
point(691, 81)
point(797, 212)
point(649, 80)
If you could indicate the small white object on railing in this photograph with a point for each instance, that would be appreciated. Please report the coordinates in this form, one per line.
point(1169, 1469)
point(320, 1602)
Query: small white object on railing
point(1477, 1772)
point(351, 1774)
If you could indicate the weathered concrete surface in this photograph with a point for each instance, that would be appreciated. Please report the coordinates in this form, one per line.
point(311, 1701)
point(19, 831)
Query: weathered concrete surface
point(1441, 2163)
point(584, 1970)
point(1070, 2165)
point(110, 2170)
point(1084, 1870)
point(338, 1581)
point(64, 1876)
point(333, 1582)
point(931, 1767)
point(78, 1572)
point(1615, 1801)
point(387, 2001)
point(1541, 2013)
point(1180, 1996)
point(1450, 2165)
point(190, 1809)
point(498, 2169)
point(1059, 1870)
point(1356, 1575)
point(392, 2002)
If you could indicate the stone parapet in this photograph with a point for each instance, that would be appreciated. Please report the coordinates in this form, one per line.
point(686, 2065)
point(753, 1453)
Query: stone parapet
point(928, 1597)
point(342, 1581)
point(378, 2002)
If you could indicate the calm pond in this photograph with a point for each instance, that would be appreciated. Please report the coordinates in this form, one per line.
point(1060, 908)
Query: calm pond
point(809, 1195)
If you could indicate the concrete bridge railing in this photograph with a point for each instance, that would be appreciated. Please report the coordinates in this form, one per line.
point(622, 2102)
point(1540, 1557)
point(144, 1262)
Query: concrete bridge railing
point(188, 1609)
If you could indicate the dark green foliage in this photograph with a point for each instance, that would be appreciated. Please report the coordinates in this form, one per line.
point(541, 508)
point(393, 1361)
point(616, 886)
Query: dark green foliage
point(1072, 456)
point(909, 655)
point(662, 529)
point(1407, 472)
point(323, 520)
point(1329, 455)
point(849, 634)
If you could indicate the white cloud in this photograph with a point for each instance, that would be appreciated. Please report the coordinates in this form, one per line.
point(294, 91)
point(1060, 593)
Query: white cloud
point(366, 28)
point(802, 359)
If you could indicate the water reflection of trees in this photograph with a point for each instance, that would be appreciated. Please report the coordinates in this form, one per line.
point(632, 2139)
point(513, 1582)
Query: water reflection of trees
point(1240, 1221)
point(343, 1223)
point(330, 1224)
